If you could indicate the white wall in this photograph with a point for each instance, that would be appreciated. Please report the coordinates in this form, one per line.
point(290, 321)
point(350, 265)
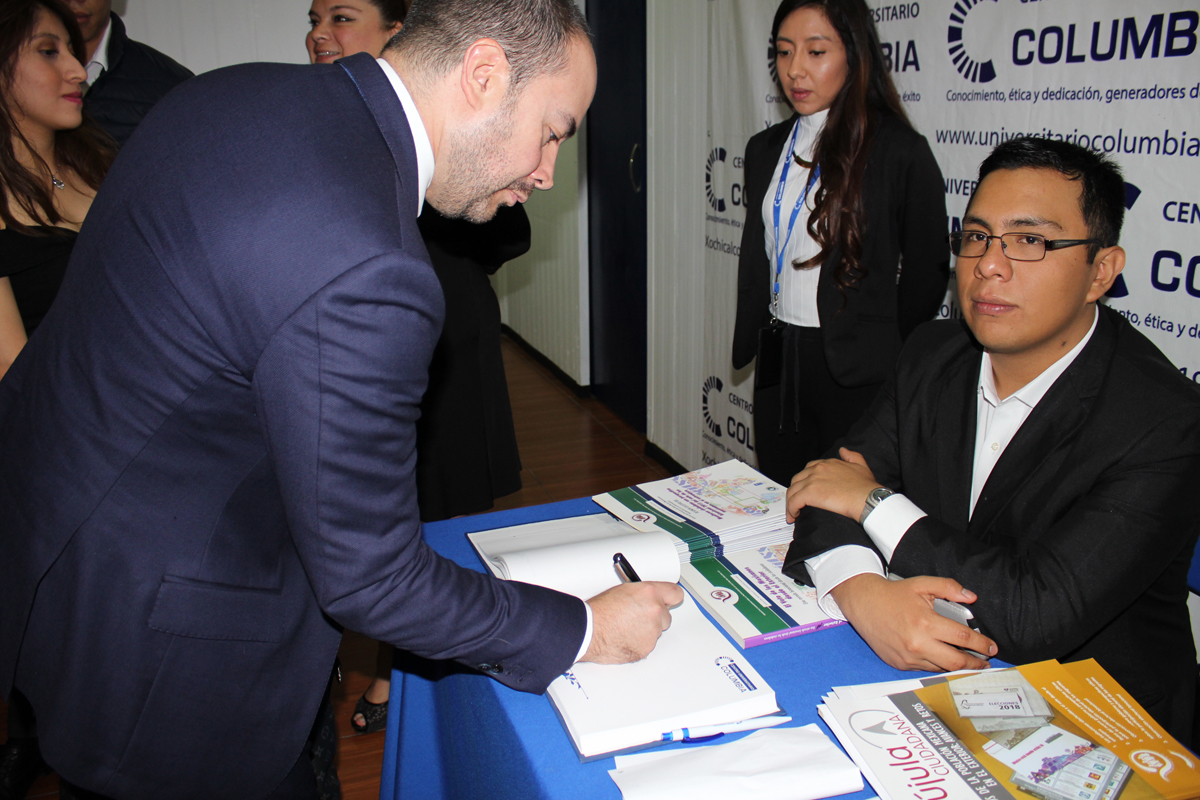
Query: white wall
point(544, 293)
point(206, 34)
point(676, 138)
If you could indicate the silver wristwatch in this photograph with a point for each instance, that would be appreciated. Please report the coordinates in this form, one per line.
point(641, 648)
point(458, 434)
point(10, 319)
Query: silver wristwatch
point(877, 496)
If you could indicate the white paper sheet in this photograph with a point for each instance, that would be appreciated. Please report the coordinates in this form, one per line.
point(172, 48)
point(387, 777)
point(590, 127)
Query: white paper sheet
point(780, 763)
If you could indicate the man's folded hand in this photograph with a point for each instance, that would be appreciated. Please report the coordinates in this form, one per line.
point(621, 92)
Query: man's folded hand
point(840, 485)
point(896, 618)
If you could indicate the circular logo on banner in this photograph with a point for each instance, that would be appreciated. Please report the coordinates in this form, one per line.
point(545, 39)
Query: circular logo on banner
point(710, 185)
point(712, 383)
point(772, 66)
point(969, 68)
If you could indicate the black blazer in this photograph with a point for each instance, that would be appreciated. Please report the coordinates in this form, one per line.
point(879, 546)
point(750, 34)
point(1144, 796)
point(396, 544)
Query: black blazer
point(905, 203)
point(137, 77)
point(1081, 539)
point(207, 449)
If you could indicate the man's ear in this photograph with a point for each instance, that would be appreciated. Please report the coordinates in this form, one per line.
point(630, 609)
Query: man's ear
point(485, 75)
point(1108, 265)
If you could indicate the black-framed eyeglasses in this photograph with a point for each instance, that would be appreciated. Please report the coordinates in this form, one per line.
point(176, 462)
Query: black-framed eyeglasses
point(1016, 246)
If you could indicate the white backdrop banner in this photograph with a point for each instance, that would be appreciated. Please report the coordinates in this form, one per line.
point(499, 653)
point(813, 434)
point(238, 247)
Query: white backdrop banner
point(1118, 77)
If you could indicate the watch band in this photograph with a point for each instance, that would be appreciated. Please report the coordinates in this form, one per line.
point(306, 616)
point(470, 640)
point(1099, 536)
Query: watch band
point(877, 496)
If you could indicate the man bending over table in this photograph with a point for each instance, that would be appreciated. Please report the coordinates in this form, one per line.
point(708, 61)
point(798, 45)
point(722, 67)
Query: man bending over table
point(1038, 463)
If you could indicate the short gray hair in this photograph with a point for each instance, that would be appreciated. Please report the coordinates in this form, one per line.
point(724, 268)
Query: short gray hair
point(535, 34)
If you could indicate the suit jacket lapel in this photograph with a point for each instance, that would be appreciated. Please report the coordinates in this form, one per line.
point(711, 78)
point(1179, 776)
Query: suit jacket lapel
point(385, 107)
point(1050, 425)
point(955, 419)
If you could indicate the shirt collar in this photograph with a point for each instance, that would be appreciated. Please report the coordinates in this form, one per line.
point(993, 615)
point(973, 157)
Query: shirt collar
point(1031, 393)
point(813, 122)
point(419, 134)
point(99, 61)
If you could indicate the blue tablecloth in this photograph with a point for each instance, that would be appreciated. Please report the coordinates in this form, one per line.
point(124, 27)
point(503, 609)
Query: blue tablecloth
point(459, 734)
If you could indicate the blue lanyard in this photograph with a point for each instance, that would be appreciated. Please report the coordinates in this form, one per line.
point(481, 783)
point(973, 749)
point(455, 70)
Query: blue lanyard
point(779, 249)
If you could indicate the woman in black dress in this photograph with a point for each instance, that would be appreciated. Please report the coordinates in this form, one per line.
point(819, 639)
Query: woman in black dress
point(51, 163)
point(843, 252)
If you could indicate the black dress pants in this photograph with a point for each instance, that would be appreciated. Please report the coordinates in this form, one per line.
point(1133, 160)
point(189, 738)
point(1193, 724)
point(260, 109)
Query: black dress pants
point(799, 419)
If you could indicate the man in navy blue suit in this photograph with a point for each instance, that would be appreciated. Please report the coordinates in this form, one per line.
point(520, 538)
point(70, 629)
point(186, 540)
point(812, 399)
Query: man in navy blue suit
point(207, 450)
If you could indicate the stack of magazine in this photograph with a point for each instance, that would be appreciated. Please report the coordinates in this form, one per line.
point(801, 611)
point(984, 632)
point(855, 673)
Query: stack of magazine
point(729, 506)
point(727, 524)
point(1049, 731)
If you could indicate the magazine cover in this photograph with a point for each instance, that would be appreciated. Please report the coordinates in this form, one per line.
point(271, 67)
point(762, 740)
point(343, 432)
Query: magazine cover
point(1044, 731)
point(708, 510)
point(748, 594)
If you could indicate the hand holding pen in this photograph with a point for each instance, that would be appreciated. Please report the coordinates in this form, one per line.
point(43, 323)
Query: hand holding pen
point(628, 618)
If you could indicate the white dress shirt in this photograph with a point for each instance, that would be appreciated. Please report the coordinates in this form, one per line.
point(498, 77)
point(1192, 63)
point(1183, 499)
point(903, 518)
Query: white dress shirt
point(425, 166)
point(419, 134)
point(997, 422)
point(99, 61)
point(797, 287)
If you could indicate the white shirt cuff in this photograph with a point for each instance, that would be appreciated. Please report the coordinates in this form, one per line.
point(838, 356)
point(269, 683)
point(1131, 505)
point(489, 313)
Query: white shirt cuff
point(587, 634)
point(838, 565)
point(890, 520)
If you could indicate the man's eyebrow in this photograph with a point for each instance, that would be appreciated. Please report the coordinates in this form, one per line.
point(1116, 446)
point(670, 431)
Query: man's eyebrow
point(1032, 222)
point(1015, 222)
point(568, 121)
point(971, 219)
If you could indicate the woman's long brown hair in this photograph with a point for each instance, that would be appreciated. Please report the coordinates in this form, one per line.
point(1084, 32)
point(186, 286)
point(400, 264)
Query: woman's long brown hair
point(87, 150)
point(838, 217)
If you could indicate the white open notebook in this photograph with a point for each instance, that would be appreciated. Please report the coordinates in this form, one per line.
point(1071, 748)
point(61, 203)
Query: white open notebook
point(694, 676)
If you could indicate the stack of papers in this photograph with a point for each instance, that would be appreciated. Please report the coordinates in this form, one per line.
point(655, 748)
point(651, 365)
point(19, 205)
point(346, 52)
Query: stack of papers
point(730, 506)
point(782, 764)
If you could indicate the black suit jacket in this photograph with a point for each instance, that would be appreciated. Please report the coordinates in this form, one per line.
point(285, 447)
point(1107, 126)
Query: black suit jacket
point(207, 449)
point(137, 77)
point(1081, 538)
point(905, 205)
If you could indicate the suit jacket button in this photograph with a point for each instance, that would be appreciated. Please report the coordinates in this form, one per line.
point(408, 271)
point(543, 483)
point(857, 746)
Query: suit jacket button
point(491, 669)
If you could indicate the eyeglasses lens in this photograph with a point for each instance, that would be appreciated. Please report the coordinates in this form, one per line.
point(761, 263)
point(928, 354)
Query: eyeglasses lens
point(1017, 246)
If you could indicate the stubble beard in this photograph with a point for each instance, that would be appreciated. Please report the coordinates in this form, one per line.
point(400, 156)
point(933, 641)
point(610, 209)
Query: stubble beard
point(476, 171)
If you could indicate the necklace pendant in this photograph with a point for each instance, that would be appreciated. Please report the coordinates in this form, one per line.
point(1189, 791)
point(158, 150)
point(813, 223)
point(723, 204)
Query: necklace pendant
point(58, 184)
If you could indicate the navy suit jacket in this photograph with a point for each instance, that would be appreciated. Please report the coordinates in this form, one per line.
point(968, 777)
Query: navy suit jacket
point(1080, 541)
point(207, 450)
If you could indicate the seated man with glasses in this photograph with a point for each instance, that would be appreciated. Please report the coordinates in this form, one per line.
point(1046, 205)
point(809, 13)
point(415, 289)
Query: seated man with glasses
point(1038, 464)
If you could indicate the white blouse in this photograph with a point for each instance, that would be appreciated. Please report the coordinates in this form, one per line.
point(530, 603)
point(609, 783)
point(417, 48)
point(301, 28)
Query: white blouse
point(797, 287)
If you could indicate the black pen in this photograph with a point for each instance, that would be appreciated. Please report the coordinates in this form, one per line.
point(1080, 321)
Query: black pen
point(621, 561)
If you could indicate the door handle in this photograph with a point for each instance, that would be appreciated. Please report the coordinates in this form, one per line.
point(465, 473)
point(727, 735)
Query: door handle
point(637, 189)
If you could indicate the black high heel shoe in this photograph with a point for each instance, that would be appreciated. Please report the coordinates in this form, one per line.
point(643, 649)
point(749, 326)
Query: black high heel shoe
point(20, 765)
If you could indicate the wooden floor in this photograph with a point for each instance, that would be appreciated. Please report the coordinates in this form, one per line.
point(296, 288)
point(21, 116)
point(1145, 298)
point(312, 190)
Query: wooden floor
point(570, 447)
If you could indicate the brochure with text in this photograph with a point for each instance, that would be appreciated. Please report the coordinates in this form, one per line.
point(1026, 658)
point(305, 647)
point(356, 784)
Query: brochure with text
point(748, 594)
point(1048, 731)
point(728, 506)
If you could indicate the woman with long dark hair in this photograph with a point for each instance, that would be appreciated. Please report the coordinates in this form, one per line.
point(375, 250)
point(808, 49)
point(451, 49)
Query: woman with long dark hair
point(843, 251)
point(51, 161)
